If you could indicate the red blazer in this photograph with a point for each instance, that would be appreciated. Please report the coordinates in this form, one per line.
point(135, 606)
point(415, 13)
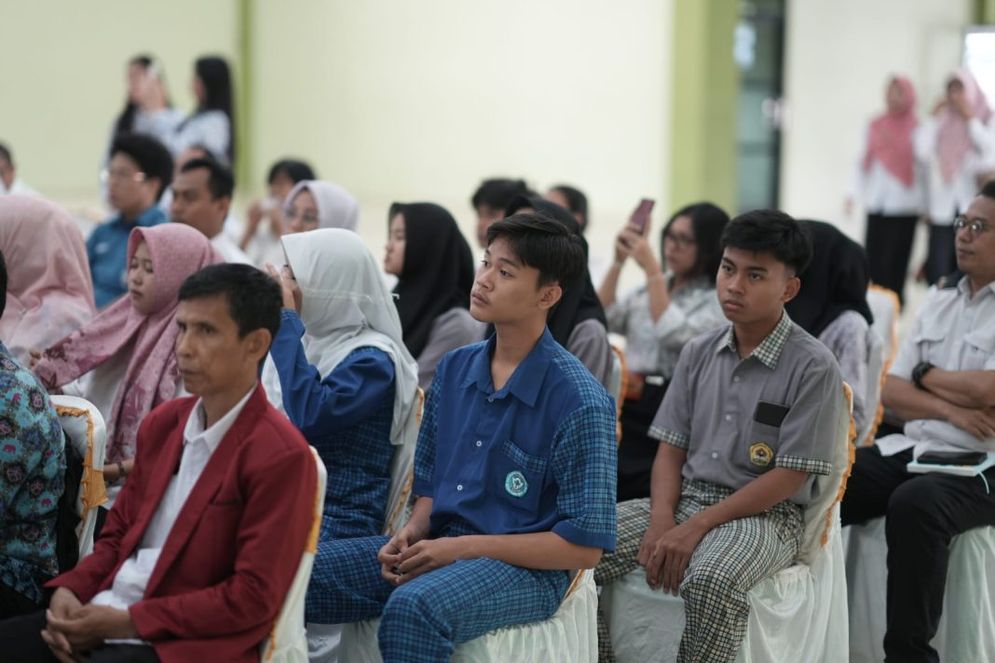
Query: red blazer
point(231, 556)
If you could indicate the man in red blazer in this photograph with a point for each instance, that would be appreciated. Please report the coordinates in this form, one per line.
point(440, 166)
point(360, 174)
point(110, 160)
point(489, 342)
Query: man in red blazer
point(203, 542)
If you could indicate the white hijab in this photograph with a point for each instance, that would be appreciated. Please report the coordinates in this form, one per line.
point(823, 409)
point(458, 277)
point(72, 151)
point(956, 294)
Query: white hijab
point(337, 208)
point(345, 306)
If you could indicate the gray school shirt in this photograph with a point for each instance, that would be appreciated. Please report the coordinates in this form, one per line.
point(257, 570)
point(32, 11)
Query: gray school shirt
point(737, 419)
point(452, 329)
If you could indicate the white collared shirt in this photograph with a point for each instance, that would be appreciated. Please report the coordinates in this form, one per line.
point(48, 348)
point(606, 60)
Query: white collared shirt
point(229, 249)
point(956, 332)
point(199, 445)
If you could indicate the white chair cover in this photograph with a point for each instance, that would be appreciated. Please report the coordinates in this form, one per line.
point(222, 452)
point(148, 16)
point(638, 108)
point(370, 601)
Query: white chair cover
point(966, 632)
point(798, 614)
point(85, 428)
point(886, 310)
point(876, 373)
point(569, 636)
point(287, 642)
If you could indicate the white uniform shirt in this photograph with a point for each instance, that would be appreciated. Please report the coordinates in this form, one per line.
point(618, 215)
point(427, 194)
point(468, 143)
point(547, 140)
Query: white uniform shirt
point(883, 193)
point(946, 199)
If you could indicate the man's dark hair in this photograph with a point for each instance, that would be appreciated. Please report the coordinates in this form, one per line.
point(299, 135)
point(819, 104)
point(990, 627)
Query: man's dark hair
point(988, 189)
point(707, 221)
point(576, 201)
point(151, 156)
point(254, 299)
point(770, 231)
point(3, 284)
point(540, 242)
point(5, 154)
point(295, 169)
point(498, 193)
point(220, 181)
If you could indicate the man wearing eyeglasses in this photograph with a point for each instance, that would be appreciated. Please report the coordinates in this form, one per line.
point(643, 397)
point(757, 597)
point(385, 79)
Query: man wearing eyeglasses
point(139, 171)
point(943, 385)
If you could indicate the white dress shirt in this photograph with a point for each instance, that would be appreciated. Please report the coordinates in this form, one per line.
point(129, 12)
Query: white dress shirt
point(946, 199)
point(883, 193)
point(199, 445)
point(229, 249)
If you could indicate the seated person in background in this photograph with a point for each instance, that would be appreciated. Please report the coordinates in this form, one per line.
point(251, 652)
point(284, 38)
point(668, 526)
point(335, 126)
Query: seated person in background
point(578, 321)
point(31, 483)
point(832, 306)
point(139, 171)
point(10, 183)
point(201, 547)
point(571, 199)
point(943, 385)
point(202, 194)
point(125, 355)
point(343, 376)
point(750, 417)
point(50, 293)
point(313, 204)
point(434, 268)
point(262, 242)
point(491, 199)
point(676, 304)
point(499, 522)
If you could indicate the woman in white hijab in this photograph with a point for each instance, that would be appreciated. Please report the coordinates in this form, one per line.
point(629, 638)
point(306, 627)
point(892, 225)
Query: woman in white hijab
point(313, 204)
point(344, 376)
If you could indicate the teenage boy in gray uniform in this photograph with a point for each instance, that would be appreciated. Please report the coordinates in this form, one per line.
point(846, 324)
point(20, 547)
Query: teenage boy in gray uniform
point(749, 419)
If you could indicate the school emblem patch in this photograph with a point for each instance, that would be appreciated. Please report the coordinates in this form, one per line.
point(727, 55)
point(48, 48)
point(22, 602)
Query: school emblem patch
point(761, 454)
point(515, 484)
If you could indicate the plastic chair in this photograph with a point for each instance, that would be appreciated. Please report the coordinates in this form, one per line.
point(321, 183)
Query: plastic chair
point(86, 431)
point(287, 642)
point(886, 309)
point(569, 636)
point(798, 614)
point(876, 374)
point(620, 380)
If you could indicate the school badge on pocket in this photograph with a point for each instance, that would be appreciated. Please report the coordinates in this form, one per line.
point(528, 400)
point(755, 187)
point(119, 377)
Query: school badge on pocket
point(515, 484)
point(761, 454)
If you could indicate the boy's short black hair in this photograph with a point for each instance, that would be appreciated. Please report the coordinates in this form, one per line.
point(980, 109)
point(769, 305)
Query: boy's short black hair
point(220, 180)
point(151, 156)
point(497, 193)
point(770, 231)
point(295, 169)
point(6, 155)
point(543, 243)
point(3, 285)
point(254, 298)
point(988, 189)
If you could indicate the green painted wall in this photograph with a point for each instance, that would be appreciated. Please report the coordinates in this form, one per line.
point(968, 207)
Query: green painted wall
point(703, 158)
point(984, 12)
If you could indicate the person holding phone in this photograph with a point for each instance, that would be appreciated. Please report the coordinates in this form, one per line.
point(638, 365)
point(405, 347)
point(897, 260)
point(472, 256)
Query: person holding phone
point(676, 303)
point(942, 384)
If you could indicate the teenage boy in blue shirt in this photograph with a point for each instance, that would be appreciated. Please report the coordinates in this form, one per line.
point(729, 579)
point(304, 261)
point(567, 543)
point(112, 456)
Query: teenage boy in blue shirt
point(514, 472)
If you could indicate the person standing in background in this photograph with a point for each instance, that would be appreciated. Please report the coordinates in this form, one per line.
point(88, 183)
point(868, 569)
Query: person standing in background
point(956, 143)
point(886, 182)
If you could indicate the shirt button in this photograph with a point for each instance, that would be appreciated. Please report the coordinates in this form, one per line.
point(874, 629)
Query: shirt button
point(728, 417)
point(490, 400)
point(459, 487)
point(715, 454)
point(479, 443)
point(735, 378)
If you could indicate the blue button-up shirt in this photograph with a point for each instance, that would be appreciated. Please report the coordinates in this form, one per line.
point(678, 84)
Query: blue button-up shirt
point(537, 455)
point(107, 251)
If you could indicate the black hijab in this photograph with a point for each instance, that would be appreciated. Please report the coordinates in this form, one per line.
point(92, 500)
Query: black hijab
point(580, 300)
point(437, 273)
point(835, 280)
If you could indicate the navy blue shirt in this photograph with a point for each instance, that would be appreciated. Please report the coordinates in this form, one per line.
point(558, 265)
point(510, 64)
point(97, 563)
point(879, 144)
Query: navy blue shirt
point(537, 455)
point(346, 416)
point(107, 251)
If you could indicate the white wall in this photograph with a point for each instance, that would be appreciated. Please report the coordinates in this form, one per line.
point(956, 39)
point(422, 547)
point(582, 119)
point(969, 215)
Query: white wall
point(839, 54)
point(408, 100)
point(63, 72)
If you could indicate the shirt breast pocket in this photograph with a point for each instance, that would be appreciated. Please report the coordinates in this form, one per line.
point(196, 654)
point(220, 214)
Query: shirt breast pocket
point(929, 340)
point(520, 476)
point(980, 350)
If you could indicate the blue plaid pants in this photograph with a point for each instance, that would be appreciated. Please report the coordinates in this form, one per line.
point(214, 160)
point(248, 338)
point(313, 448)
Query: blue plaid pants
point(423, 620)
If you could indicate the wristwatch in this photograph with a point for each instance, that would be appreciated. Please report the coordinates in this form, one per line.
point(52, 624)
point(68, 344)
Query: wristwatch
point(919, 372)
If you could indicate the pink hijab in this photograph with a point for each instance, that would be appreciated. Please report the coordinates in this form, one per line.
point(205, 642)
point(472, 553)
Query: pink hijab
point(889, 138)
point(953, 141)
point(49, 291)
point(177, 251)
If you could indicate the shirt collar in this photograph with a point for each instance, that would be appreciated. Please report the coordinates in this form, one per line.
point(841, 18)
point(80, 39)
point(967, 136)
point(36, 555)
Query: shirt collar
point(212, 437)
point(527, 379)
point(769, 350)
point(964, 287)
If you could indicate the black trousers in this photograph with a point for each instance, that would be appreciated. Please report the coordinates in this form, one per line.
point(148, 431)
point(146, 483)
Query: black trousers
point(942, 257)
point(637, 450)
point(20, 642)
point(924, 512)
point(13, 604)
point(889, 246)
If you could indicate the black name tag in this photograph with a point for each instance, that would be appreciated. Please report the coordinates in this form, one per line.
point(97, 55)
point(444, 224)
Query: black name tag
point(770, 414)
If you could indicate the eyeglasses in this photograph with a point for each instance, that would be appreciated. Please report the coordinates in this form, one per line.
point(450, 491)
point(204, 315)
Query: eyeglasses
point(108, 174)
point(682, 241)
point(977, 226)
